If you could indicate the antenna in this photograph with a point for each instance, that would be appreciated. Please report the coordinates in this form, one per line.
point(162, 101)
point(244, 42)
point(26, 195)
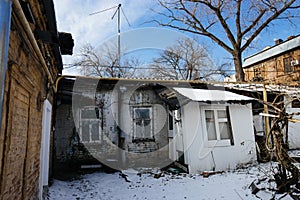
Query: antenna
point(119, 8)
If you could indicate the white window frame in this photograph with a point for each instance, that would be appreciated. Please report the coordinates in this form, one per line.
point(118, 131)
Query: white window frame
point(218, 141)
point(91, 121)
point(135, 137)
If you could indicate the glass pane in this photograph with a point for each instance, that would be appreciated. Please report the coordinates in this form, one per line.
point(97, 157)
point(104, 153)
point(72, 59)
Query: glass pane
point(95, 131)
point(85, 134)
point(147, 129)
point(142, 123)
point(222, 114)
point(224, 130)
point(143, 128)
point(211, 131)
point(209, 114)
point(142, 113)
point(210, 125)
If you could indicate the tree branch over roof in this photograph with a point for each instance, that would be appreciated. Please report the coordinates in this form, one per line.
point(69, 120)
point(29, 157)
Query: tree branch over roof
point(241, 21)
point(276, 13)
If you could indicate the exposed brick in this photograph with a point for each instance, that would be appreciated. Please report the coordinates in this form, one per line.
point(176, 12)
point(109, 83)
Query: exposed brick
point(20, 137)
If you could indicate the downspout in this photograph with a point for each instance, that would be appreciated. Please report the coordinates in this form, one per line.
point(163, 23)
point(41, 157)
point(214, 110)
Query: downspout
point(21, 16)
point(5, 20)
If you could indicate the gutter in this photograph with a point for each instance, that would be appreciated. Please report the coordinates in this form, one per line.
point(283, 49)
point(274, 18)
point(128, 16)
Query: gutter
point(21, 16)
point(5, 20)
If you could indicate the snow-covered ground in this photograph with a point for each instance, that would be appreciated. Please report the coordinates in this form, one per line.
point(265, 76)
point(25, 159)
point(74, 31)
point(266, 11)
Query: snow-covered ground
point(100, 185)
point(228, 185)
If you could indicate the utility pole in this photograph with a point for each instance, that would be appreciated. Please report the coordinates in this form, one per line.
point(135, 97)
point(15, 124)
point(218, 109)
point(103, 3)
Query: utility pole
point(119, 33)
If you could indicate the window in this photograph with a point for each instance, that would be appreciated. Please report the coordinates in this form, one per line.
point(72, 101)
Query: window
point(90, 126)
point(258, 71)
point(142, 124)
point(288, 68)
point(218, 127)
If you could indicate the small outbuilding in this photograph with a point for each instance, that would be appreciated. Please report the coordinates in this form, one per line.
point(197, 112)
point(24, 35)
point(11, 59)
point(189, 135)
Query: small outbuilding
point(213, 129)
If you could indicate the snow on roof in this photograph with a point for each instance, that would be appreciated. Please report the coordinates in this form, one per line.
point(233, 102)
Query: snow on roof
point(273, 51)
point(204, 95)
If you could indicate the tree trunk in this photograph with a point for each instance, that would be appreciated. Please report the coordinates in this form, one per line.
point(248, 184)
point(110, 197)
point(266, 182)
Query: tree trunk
point(237, 59)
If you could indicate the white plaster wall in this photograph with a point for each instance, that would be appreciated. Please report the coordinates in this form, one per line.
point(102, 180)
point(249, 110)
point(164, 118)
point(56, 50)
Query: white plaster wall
point(200, 157)
point(294, 130)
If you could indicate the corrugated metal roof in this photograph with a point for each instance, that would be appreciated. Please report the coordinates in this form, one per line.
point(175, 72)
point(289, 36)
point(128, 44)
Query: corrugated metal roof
point(273, 51)
point(204, 95)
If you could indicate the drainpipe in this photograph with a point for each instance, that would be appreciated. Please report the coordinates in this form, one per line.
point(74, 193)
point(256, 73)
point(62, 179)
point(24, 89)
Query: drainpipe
point(21, 16)
point(5, 19)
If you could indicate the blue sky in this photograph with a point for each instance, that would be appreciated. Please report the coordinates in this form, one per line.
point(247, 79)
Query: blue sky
point(73, 16)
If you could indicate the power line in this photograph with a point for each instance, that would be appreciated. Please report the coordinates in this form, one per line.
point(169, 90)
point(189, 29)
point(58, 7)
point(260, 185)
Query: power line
point(170, 68)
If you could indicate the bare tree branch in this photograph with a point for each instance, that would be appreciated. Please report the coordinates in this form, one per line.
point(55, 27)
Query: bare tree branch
point(241, 21)
point(186, 60)
point(277, 13)
point(104, 62)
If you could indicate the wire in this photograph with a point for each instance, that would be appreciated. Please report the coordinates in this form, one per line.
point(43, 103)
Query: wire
point(94, 13)
point(125, 16)
point(225, 70)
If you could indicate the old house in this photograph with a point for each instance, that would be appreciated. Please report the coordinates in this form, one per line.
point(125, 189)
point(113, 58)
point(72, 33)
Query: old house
point(116, 122)
point(277, 64)
point(31, 49)
point(151, 123)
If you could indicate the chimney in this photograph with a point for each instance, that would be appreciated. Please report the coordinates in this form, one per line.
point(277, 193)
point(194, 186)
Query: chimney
point(278, 41)
point(290, 37)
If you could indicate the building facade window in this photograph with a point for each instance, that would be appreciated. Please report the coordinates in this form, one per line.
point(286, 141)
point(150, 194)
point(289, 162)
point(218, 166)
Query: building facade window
point(217, 126)
point(142, 124)
point(288, 68)
point(90, 125)
point(257, 70)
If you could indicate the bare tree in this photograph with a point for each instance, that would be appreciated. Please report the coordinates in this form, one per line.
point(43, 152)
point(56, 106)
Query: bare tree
point(104, 62)
point(186, 60)
point(276, 141)
point(232, 24)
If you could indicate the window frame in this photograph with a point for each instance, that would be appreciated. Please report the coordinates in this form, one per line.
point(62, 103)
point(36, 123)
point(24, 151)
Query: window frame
point(257, 70)
point(218, 141)
point(287, 66)
point(135, 137)
point(90, 121)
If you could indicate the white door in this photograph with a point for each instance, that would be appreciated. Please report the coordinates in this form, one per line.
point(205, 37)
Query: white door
point(45, 146)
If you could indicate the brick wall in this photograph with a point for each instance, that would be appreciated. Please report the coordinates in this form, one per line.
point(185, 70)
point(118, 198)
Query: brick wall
point(20, 137)
point(272, 69)
point(69, 151)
